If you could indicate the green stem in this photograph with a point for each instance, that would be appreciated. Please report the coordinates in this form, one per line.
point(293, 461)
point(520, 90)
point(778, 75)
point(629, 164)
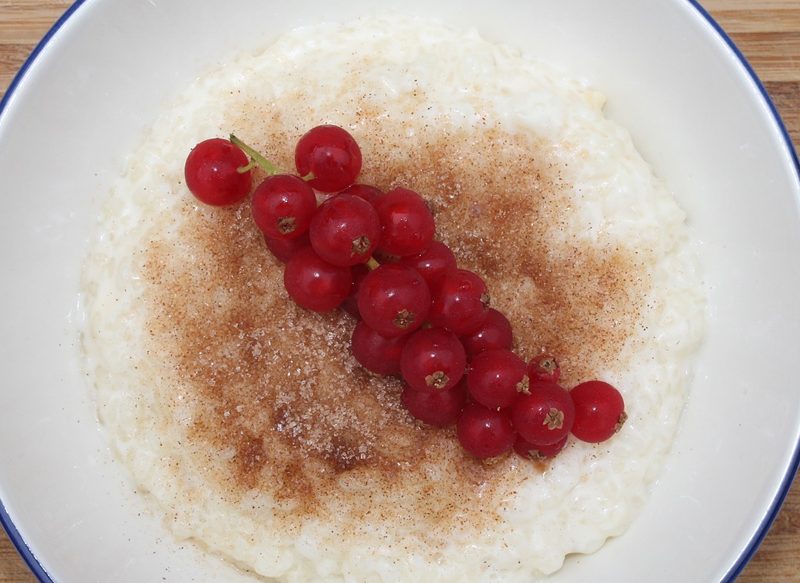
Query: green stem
point(256, 159)
point(372, 264)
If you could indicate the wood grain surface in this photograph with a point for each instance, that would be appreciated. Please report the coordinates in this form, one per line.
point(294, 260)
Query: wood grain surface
point(767, 32)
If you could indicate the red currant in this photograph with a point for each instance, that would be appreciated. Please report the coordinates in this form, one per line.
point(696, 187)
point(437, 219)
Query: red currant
point(544, 367)
point(345, 230)
point(377, 353)
point(496, 377)
point(538, 453)
point(599, 411)
point(460, 302)
point(283, 249)
point(394, 300)
point(350, 303)
point(433, 360)
point(365, 191)
point(494, 333)
point(439, 408)
point(331, 154)
point(431, 263)
point(212, 175)
point(283, 206)
point(314, 283)
point(407, 223)
point(545, 415)
point(485, 432)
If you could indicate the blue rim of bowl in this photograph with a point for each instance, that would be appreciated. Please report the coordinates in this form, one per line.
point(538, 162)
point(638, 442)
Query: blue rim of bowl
point(794, 465)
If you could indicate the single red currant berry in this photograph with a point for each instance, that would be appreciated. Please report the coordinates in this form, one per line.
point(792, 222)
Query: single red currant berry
point(345, 230)
point(433, 360)
point(460, 302)
point(407, 223)
point(350, 303)
point(544, 367)
point(315, 284)
point(283, 206)
point(394, 300)
point(377, 353)
point(599, 411)
point(538, 453)
point(331, 154)
point(496, 377)
point(545, 415)
point(494, 333)
point(365, 191)
point(484, 432)
point(283, 249)
point(212, 175)
point(431, 263)
point(439, 408)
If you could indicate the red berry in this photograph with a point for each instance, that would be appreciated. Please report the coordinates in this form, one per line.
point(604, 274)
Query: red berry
point(283, 249)
point(407, 223)
point(496, 377)
point(211, 172)
point(377, 353)
point(599, 411)
point(494, 333)
point(394, 300)
point(544, 416)
point(314, 283)
point(283, 206)
point(485, 432)
point(345, 230)
point(350, 303)
point(431, 263)
point(433, 360)
point(460, 302)
point(538, 453)
point(544, 367)
point(365, 191)
point(332, 154)
point(439, 408)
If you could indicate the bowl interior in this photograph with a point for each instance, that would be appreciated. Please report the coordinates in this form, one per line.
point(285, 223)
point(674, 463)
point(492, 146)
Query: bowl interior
point(695, 114)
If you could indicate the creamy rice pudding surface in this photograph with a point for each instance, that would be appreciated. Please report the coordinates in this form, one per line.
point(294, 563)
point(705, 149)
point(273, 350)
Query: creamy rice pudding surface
point(247, 419)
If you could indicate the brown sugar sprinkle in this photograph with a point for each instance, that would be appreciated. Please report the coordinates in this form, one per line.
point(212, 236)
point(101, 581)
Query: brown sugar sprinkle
point(276, 385)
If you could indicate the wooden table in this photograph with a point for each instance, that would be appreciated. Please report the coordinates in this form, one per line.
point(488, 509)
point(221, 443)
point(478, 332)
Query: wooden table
point(767, 31)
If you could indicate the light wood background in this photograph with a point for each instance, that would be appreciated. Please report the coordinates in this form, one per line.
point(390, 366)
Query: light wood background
point(767, 31)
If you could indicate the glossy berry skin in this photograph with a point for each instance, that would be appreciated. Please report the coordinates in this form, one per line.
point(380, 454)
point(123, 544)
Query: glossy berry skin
point(545, 416)
point(599, 411)
point(283, 249)
point(406, 222)
point(394, 300)
point(494, 333)
point(345, 230)
point(496, 377)
point(433, 360)
point(332, 154)
point(438, 408)
point(282, 206)
point(544, 367)
point(483, 432)
point(538, 453)
point(460, 302)
point(211, 172)
point(365, 191)
point(432, 263)
point(350, 303)
point(377, 353)
point(315, 284)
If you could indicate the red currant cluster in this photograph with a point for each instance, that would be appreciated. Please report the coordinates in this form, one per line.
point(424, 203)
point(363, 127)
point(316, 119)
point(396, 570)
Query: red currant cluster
point(421, 317)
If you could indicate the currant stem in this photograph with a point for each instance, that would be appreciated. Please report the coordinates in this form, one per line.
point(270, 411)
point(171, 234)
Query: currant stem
point(256, 159)
point(373, 264)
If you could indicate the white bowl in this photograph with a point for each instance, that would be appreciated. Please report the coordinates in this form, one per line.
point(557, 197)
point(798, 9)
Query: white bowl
point(696, 112)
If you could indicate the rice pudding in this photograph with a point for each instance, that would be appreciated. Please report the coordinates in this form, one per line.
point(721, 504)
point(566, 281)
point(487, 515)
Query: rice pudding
point(246, 418)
